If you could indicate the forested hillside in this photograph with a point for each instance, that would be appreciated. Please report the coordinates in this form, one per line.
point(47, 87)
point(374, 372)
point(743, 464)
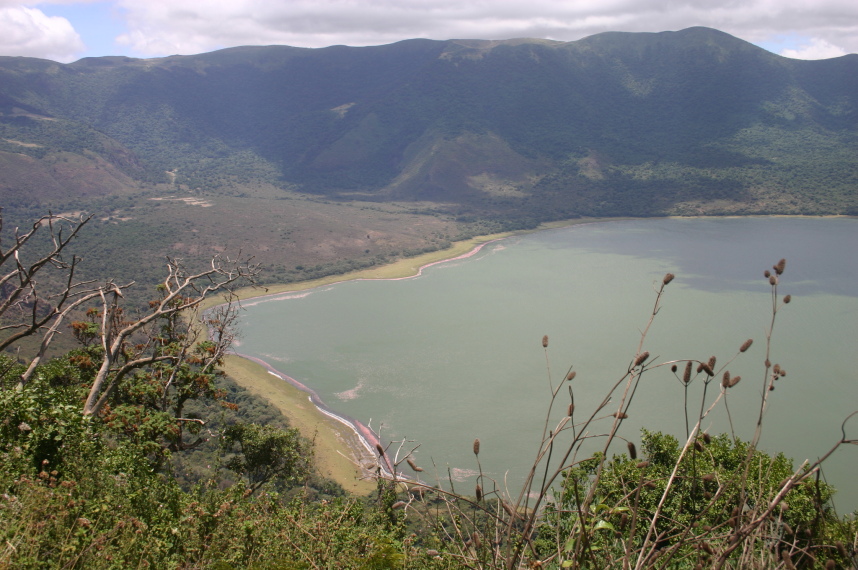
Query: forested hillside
point(320, 160)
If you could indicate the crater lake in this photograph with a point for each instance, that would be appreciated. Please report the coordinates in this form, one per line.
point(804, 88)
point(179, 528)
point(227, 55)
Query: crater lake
point(456, 353)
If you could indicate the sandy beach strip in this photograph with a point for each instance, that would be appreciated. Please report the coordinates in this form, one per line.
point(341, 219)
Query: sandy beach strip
point(368, 440)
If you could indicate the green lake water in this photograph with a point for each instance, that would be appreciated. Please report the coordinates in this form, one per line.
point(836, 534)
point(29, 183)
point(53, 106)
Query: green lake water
point(456, 353)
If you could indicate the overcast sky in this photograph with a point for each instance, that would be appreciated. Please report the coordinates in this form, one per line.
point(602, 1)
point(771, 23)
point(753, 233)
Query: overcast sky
point(66, 30)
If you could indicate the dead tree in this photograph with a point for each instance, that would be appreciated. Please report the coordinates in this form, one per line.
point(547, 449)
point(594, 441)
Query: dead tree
point(182, 294)
point(30, 305)
point(27, 305)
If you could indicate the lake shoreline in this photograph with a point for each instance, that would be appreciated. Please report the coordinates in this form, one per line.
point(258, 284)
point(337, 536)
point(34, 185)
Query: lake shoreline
point(359, 446)
point(363, 444)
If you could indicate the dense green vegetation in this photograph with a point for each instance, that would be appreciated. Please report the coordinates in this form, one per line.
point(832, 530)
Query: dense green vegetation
point(418, 119)
point(95, 493)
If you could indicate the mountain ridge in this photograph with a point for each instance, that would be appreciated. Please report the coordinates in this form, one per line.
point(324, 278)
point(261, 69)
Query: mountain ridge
point(488, 134)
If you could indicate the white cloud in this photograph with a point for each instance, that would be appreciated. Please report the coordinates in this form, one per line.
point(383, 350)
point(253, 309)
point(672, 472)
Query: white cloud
point(160, 27)
point(814, 49)
point(28, 31)
point(163, 27)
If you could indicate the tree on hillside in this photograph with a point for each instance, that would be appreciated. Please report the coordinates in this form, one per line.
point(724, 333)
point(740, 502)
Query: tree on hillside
point(28, 304)
point(38, 295)
point(137, 371)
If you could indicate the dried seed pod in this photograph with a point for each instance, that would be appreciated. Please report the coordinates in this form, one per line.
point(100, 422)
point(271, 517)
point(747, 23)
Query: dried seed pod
point(398, 505)
point(830, 564)
point(633, 452)
point(712, 363)
point(476, 446)
point(841, 548)
point(787, 299)
point(705, 546)
point(642, 464)
point(768, 363)
point(432, 552)
point(571, 376)
point(787, 560)
point(707, 438)
point(413, 465)
point(709, 477)
point(649, 485)
point(620, 415)
point(571, 409)
point(788, 530)
point(507, 509)
point(624, 521)
point(545, 341)
point(725, 381)
point(674, 368)
point(379, 449)
point(782, 373)
point(773, 280)
point(779, 268)
point(668, 278)
point(734, 380)
point(641, 358)
point(698, 446)
point(686, 377)
point(479, 492)
point(776, 370)
point(746, 345)
point(707, 495)
point(475, 538)
point(767, 273)
point(707, 369)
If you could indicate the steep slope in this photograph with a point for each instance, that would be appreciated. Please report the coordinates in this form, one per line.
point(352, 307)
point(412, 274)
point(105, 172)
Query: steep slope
point(480, 135)
point(472, 122)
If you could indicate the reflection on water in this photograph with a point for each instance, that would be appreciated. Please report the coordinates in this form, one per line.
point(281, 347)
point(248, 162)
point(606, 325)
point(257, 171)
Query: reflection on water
point(456, 353)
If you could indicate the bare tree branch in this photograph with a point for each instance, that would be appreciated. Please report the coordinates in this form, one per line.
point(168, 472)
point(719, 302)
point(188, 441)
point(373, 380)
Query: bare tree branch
point(183, 291)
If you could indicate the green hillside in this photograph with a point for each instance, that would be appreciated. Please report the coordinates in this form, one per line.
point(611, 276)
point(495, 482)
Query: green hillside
point(481, 135)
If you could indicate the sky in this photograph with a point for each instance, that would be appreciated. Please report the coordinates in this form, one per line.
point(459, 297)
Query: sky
point(67, 30)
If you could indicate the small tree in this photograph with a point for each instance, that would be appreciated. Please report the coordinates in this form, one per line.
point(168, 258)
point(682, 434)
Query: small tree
point(160, 359)
point(266, 453)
